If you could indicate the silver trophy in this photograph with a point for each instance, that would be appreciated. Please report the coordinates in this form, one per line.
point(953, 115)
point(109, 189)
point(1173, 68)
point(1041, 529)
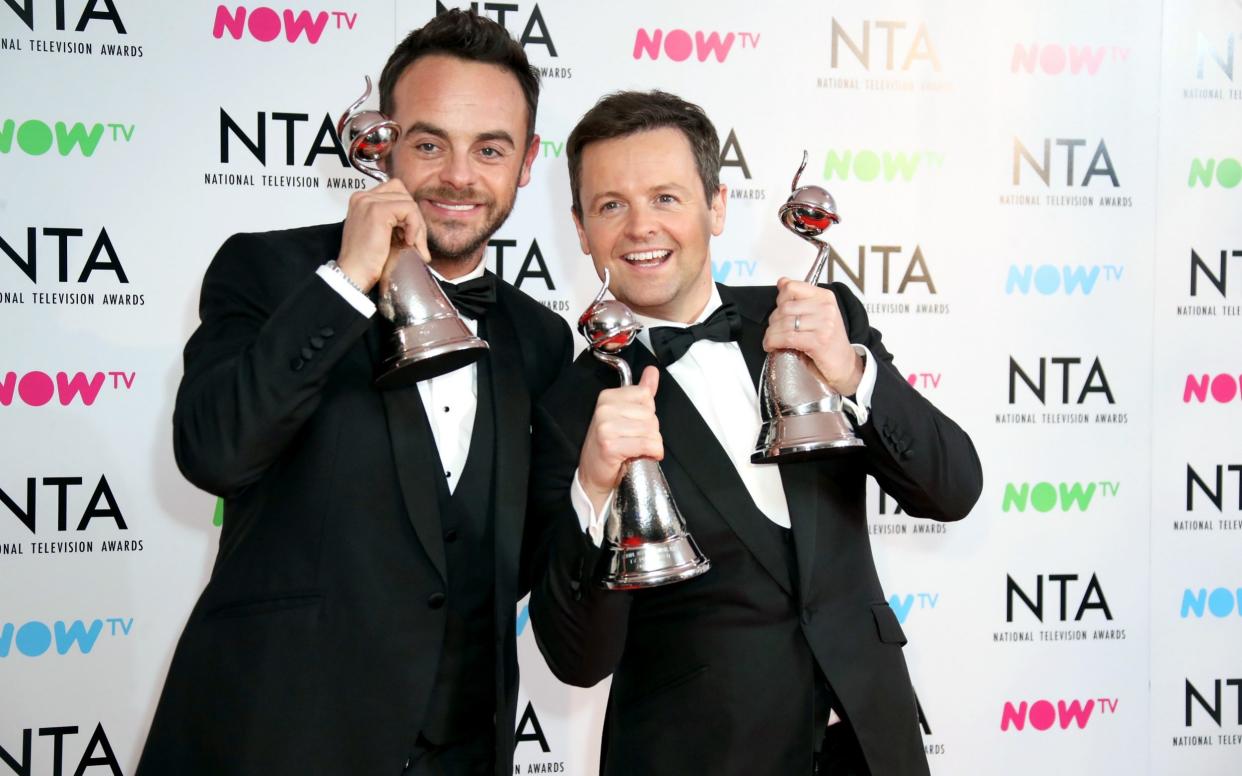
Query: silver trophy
point(428, 337)
point(644, 533)
point(802, 416)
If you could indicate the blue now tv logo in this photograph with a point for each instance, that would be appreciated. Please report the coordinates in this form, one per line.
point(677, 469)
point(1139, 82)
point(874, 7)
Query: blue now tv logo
point(1219, 602)
point(903, 605)
point(1049, 279)
point(35, 638)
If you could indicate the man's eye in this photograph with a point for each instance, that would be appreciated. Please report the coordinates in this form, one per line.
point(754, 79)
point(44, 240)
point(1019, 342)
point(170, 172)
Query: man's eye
point(666, 199)
point(426, 148)
point(607, 206)
point(490, 153)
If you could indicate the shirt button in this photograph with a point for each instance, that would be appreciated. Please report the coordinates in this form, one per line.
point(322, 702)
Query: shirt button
point(435, 600)
point(448, 475)
point(446, 409)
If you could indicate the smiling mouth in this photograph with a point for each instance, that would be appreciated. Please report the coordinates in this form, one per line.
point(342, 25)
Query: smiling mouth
point(454, 207)
point(652, 258)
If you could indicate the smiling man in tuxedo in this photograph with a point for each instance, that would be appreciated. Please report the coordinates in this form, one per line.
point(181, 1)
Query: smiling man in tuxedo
point(360, 614)
point(784, 657)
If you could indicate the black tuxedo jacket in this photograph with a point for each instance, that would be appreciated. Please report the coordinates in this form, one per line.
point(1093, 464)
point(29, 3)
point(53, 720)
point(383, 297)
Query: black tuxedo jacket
point(314, 647)
point(718, 674)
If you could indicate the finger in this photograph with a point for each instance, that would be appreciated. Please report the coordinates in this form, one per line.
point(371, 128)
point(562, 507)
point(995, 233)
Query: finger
point(650, 380)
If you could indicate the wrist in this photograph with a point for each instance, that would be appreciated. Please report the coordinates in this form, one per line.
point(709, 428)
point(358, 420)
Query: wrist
point(350, 275)
point(849, 386)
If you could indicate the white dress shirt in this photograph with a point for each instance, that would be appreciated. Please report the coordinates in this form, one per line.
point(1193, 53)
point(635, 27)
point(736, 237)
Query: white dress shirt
point(715, 378)
point(450, 400)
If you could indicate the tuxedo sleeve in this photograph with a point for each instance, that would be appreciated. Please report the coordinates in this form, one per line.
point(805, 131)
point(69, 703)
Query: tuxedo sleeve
point(918, 454)
point(270, 333)
point(579, 626)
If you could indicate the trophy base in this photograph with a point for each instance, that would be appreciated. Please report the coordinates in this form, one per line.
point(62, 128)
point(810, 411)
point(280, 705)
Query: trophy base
point(654, 564)
point(427, 349)
point(794, 438)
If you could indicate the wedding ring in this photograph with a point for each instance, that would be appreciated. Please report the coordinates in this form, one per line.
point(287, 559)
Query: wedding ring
point(797, 323)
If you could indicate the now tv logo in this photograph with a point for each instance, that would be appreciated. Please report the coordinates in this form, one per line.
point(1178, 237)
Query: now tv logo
point(36, 138)
point(1219, 602)
point(903, 605)
point(1048, 279)
point(35, 638)
point(265, 25)
point(1042, 714)
point(1055, 59)
point(1227, 172)
point(38, 388)
point(867, 165)
point(1045, 497)
point(1223, 388)
point(678, 45)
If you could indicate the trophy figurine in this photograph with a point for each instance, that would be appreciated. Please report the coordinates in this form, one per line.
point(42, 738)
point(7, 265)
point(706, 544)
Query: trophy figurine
point(802, 417)
point(644, 533)
point(428, 337)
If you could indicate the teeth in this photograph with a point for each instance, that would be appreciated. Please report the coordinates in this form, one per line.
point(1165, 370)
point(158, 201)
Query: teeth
point(646, 255)
point(449, 206)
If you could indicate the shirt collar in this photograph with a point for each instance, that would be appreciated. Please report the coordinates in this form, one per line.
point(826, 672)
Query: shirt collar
point(477, 272)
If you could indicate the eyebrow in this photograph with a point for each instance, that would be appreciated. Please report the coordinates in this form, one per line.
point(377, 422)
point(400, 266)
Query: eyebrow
point(432, 129)
point(670, 186)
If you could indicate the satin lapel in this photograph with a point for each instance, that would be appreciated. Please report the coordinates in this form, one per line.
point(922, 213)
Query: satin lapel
point(797, 480)
point(415, 455)
point(693, 446)
point(511, 410)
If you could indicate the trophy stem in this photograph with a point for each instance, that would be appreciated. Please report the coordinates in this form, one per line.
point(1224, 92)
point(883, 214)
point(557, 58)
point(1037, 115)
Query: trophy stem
point(821, 260)
point(617, 363)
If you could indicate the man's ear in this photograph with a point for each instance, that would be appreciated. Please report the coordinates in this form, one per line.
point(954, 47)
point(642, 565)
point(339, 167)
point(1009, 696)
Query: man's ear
point(718, 209)
point(531, 152)
point(582, 236)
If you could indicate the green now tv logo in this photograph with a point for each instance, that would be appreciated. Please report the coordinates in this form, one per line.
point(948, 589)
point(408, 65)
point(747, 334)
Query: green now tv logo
point(1046, 496)
point(1226, 172)
point(868, 165)
point(36, 137)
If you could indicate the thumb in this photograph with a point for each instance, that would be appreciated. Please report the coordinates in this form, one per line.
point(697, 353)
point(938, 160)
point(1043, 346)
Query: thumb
point(650, 380)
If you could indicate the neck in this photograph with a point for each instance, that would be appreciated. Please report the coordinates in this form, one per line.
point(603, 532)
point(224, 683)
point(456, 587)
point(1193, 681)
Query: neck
point(451, 269)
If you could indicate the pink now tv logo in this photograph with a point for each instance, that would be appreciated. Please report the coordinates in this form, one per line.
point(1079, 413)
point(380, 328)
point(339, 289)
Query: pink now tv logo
point(1056, 59)
point(1043, 714)
point(265, 24)
point(36, 389)
point(679, 45)
point(1223, 388)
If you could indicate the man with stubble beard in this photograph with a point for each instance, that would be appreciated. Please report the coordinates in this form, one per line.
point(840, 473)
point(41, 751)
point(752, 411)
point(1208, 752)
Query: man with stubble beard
point(360, 613)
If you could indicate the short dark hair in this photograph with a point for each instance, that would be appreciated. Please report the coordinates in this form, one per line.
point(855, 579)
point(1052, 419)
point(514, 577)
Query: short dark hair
point(625, 113)
point(465, 35)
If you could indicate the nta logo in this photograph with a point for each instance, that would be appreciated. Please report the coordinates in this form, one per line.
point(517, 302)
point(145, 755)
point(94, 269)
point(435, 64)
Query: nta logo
point(1053, 58)
point(35, 638)
point(533, 22)
point(1206, 49)
point(1096, 381)
point(36, 138)
point(24, 766)
point(1049, 279)
point(102, 503)
point(1101, 163)
point(1215, 709)
point(1215, 494)
point(38, 388)
point(919, 48)
point(1092, 597)
point(1220, 280)
point(1219, 602)
point(1042, 714)
point(264, 24)
point(868, 165)
point(102, 254)
point(326, 142)
point(915, 268)
point(90, 12)
point(1224, 388)
point(1045, 497)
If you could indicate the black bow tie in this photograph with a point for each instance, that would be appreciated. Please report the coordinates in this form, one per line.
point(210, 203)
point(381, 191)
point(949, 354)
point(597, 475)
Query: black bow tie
point(473, 297)
point(670, 343)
